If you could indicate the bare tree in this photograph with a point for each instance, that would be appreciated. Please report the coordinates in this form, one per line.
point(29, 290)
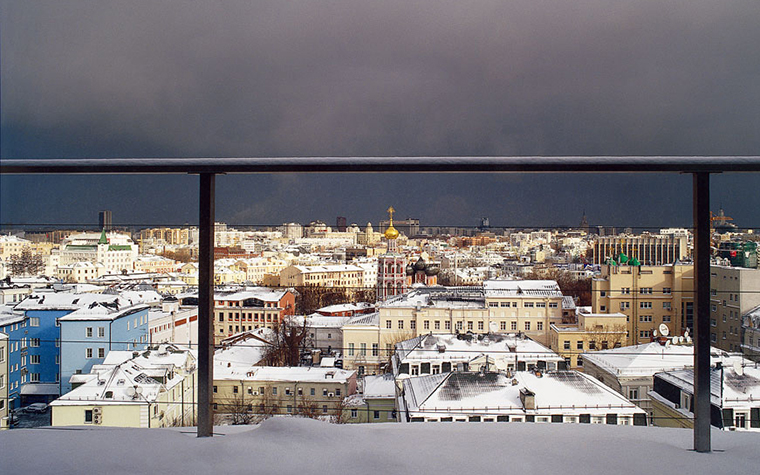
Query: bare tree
point(240, 410)
point(606, 336)
point(26, 263)
point(340, 412)
point(579, 289)
point(307, 407)
point(287, 343)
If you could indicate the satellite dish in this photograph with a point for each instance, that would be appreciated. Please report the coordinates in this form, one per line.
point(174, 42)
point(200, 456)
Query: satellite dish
point(654, 333)
point(138, 390)
point(664, 330)
point(493, 327)
point(738, 368)
point(686, 334)
point(131, 392)
point(688, 339)
point(680, 339)
point(667, 344)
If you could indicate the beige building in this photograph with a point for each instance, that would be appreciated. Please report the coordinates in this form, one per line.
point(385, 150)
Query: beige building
point(593, 331)
point(256, 268)
point(154, 264)
point(648, 295)
point(116, 252)
point(527, 306)
point(11, 246)
point(172, 236)
point(155, 388)
point(80, 272)
point(648, 249)
point(241, 388)
point(349, 276)
point(734, 291)
point(4, 406)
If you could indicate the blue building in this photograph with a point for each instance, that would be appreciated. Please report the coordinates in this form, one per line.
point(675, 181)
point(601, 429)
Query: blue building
point(14, 326)
point(88, 334)
point(43, 312)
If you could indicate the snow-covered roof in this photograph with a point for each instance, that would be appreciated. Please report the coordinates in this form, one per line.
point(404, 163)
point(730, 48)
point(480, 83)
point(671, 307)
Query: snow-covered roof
point(521, 288)
point(560, 392)
point(372, 319)
point(260, 293)
point(321, 321)
point(345, 307)
point(134, 380)
point(10, 318)
point(74, 301)
point(646, 359)
point(466, 347)
point(112, 309)
point(379, 386)
point(245, 372)
point(438, 297)
point(329, 268)
point(741, 383)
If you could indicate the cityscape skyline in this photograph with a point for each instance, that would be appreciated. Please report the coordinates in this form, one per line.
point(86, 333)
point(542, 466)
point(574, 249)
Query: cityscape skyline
point(353, 78)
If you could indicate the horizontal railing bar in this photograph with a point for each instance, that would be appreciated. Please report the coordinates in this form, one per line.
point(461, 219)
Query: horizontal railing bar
point(716, 164)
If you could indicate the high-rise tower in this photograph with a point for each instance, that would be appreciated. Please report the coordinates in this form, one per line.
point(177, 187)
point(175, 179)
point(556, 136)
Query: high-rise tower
point(391, 270)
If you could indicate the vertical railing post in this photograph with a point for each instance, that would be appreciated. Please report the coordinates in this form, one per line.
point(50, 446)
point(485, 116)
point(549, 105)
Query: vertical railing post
point(206, 305)
point(701, 191)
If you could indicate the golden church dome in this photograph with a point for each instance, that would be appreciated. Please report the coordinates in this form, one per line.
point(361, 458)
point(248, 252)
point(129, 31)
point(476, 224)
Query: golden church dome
point(391, 232)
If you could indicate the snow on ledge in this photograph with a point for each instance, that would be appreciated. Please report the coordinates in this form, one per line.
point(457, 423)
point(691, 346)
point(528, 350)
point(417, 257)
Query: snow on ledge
point(289, 445)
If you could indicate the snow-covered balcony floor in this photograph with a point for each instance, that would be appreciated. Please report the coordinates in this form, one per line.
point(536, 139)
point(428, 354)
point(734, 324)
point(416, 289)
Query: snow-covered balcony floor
point(303, 446)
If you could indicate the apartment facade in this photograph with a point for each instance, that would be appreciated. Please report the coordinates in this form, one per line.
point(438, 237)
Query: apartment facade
point(153, 388)
point(249, 309)
point(593, 331)
point(734, 291)
point(648, 249)
point(337, 275)
point(270, 390)
point(529, 307)
point(649, 296)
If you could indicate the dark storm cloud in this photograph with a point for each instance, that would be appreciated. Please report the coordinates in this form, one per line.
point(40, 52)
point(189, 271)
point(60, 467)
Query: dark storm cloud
point(360, 77)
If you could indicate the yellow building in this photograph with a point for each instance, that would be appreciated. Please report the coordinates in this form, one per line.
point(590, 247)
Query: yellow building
point(11, 246)
point(349, 276)
point(174, 236)
point(527, 306)
point(241, 389)
point(594, 331)
point(649, 249)
point(155, 388)
point(648, 295)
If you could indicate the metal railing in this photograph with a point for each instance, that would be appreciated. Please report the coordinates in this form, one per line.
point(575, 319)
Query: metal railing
point(208, 168)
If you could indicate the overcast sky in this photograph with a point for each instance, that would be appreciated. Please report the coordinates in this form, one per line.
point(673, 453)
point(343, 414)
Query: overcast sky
point(181, 78)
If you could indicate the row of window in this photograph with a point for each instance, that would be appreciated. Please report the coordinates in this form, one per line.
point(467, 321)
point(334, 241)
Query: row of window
point(252, 317)
point(525, 304)
point(613, 419)
point(88, 332)
point(88, 353)
point(262, 390)
point(460, 325)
